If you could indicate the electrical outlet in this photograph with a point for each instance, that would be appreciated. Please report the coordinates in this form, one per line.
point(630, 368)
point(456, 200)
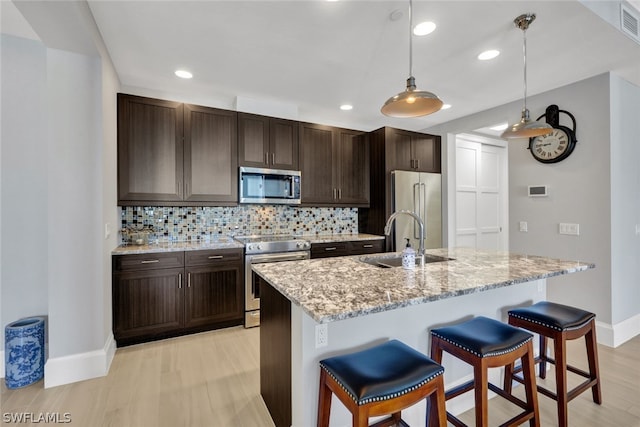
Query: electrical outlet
point(524, 227)
point(571, 229)
point(322, 335)
point(107, 230)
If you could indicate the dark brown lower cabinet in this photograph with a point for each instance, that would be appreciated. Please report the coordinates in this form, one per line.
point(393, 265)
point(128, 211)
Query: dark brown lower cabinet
point(213, 295)
point(355, 247)
point(151, 301)
point(146, 303)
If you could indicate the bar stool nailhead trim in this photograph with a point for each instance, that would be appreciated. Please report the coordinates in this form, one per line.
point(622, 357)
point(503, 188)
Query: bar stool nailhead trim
point(380, 398)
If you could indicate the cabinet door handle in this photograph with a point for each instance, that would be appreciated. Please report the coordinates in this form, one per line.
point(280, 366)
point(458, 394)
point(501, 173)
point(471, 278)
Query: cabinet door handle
point(367, 246)
point(334, 193)
point(189, 280)
point(411, 164)
point(417, 163)
point(266, 158)
point(330, 249)
point(149, 261)
point(179, 280)
point(273, 158)
point(216, 257)
point(339, 193)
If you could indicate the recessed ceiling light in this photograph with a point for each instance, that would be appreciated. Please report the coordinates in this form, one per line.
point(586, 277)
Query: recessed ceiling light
point(488, 54)
point(445, 106)
point(499, 127)
point(183, 74)
point(424, 28)
point(346, 107)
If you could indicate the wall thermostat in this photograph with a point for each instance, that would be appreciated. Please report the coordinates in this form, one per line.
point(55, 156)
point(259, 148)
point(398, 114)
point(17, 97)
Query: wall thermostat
point(538, 191)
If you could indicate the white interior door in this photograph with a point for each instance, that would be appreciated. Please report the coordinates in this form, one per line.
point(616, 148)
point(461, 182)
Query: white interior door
point(481, 195)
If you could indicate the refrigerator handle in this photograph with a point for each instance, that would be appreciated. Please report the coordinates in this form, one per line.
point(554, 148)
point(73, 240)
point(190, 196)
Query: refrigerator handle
point(423, 214)
point(416, 208)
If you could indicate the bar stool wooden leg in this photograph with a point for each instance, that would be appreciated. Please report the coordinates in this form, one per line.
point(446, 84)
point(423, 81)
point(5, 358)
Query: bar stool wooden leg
point(560, 355)
point(592, 356)
point(481, 391)
point(437, 401)
point(324, 399)
point(529, 372)
point(543, 357)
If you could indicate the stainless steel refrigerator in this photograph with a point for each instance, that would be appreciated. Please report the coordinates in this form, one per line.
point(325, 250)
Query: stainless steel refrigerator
point(420, 193)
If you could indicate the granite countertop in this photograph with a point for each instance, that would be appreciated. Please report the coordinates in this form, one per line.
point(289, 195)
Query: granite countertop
point(221, 243)
point(227, 242)
point(331, 289)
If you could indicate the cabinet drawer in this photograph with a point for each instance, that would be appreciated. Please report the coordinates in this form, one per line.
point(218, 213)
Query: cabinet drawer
point(366, 247)
point(325, 250)
point(150, 261)
point(216, 256)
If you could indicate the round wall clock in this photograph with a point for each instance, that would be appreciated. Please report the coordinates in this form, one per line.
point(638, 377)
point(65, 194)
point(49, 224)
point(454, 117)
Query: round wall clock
point(558, 144)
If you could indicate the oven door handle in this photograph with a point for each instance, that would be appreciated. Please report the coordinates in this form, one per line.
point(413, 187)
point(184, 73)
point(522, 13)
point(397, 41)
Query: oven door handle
point(261, 259)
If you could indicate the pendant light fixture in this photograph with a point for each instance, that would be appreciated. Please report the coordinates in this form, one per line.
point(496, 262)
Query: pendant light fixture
point(526, 128)
point(412, 102)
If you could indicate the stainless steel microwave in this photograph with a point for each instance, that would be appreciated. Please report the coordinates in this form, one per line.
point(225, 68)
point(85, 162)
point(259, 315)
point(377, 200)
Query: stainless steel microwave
point(275, 186)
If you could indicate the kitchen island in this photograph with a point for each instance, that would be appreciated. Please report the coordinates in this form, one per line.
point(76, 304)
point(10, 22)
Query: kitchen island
point(361, 305)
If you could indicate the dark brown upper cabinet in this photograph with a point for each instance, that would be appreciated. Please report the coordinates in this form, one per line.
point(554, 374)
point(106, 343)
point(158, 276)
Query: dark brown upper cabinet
point(413, 151)
point(175, 154)
point(150, 150)
point(210, 155)
point(267, 142)
point(335, 166)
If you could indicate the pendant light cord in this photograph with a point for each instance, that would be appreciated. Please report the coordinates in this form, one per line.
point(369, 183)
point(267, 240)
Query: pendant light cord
point(410, 39)
point(524, 50)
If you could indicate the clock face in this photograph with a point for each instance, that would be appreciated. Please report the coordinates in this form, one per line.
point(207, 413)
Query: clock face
point(551, 148)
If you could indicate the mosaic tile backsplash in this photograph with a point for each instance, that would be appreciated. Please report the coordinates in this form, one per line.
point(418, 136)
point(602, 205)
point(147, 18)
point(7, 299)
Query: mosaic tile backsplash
point(202, 223)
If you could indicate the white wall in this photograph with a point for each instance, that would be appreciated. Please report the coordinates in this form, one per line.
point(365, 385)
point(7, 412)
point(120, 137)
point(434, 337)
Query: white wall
point(579, 189)
point(625, 199)
point(595, 187)
point(70, 101)
point(23, 182)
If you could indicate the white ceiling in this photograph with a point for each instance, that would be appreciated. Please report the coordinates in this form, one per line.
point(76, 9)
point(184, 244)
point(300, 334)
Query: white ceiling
point(315, 55)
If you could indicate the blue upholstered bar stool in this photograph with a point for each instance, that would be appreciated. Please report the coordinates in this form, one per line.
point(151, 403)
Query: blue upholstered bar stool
point(487, 343)
point(560, 323)
point(382, 380)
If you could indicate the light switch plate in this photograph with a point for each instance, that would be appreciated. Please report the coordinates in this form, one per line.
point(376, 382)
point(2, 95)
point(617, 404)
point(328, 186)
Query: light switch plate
point(524, 227)
point(107, 231)
point(570, 229)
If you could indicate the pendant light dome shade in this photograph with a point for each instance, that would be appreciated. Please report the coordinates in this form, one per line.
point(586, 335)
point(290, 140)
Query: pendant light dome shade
point(526, 128)
point(412, 102)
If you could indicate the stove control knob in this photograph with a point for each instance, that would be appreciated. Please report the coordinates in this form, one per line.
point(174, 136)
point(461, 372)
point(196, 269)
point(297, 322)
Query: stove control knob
point(302, 245)
point(258, 246)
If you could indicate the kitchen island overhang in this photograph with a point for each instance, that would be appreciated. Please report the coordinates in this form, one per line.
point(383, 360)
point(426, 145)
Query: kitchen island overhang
point(362, 305)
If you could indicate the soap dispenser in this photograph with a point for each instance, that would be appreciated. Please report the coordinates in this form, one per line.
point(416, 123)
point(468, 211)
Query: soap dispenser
point(408, 257)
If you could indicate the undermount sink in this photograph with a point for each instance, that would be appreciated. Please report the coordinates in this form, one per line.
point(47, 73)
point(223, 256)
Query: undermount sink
point(396, 261)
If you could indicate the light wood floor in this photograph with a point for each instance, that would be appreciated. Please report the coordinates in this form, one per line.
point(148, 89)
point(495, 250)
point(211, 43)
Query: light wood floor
point(212, 379)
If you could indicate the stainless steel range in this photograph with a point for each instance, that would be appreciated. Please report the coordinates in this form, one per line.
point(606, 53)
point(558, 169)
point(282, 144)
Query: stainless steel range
point(261, 249)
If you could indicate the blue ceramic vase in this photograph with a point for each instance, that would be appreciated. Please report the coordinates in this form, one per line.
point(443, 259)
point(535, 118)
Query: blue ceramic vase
point(24, 352)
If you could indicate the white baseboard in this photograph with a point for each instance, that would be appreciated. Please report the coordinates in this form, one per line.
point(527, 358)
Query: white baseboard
point(79, 367)
point(618, 334)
